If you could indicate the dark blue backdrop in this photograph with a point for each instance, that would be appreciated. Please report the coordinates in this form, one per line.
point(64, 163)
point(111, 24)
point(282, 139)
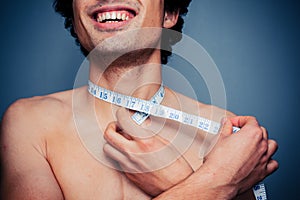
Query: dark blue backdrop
point(254, 43)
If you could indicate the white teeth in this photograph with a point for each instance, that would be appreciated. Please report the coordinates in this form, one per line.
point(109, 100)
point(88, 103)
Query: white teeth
point(107, 16)
point(119, 16)
point(99, 19)
point(113, 15)
point(123, 16)
point(103, 17)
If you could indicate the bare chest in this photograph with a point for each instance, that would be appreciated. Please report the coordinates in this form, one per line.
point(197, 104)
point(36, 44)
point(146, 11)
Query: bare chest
point(83, 171)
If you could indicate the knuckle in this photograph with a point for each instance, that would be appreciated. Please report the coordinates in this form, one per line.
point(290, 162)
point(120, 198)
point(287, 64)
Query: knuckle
point(256, 133)
point(106, 148)
point(131, 156)
point(263, 148)
point(105, 135)
point(252, 118)
point(257, 130)
point(129, 152)
point(264, 160)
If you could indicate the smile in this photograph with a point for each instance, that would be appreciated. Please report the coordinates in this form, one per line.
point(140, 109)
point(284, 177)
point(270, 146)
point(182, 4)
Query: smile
point(113, 17)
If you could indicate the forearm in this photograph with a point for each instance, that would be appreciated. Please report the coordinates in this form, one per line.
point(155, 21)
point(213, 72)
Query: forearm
point(200, 185)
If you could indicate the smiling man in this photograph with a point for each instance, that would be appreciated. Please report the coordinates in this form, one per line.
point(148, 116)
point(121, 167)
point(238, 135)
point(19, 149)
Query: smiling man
point(71, 145)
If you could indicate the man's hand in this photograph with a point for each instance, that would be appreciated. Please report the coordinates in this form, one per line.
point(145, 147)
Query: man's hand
point(236, 163)
point(147, 159)
point(244, 158)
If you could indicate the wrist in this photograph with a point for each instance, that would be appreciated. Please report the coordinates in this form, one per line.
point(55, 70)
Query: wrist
point(216, 182)
point(203, 184)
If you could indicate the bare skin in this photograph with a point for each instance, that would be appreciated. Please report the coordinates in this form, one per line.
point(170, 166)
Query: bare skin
point(52, 161)
point(138, 154)
point(42, 148)
point(44, 156)
point(55, 162)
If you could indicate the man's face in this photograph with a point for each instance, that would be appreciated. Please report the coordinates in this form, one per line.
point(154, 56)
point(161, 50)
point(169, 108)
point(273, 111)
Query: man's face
point(96, 20)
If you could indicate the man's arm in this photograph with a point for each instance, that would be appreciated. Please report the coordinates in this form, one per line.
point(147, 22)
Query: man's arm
point(149, 160)
point(247, 161)
point(224, 178)
point(203, 185)
point(200, 185)
point(26, 174)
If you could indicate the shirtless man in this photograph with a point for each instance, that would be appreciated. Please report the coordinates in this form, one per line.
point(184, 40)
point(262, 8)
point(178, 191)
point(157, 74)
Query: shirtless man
point(42, 152)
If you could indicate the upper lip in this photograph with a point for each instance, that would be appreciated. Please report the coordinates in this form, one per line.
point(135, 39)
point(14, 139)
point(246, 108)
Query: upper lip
point(130, 9)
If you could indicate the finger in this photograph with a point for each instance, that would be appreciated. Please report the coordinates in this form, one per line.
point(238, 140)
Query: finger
point(116, 139)
point(226, 128)
point(130, 127)
point(265, 132)
point(241, 121)
point(250, 127)
point(114, 154)
point(125, 163)
point(272, 148)
point(272, 166)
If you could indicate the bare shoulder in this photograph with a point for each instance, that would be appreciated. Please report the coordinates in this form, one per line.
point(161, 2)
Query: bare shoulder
point(23, 146)
point(215, 110)
point(204, 110)
point(28, 122)
point(30, 115)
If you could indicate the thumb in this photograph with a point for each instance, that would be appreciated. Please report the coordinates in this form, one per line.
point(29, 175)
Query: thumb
point(226, 127)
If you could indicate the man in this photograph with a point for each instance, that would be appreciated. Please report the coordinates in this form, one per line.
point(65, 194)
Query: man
point(43, 157)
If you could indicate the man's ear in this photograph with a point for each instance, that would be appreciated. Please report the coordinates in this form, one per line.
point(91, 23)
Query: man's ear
point(170, 19)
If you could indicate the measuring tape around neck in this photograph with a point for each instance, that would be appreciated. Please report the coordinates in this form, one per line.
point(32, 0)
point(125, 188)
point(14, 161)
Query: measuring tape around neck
point(151, 108)
point(145, 108)
point(140, 117)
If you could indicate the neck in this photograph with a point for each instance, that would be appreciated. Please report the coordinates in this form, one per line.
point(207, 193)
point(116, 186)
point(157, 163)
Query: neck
point(137, 74)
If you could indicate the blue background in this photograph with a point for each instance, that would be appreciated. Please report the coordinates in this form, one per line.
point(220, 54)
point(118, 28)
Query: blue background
point(254, 43)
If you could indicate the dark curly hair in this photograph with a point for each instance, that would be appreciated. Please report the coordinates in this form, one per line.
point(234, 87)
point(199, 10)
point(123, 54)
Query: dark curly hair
point(64, 7)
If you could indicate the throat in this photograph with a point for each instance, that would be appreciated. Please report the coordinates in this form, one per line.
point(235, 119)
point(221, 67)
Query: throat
point(140, 81)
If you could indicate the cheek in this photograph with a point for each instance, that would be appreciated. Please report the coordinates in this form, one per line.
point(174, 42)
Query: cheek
point(76, 9)
point(154, 16)
point(78, 15)
point(78, 21)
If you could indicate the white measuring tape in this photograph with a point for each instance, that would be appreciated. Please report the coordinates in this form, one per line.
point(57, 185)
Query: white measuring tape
point(140, 117)
point(152, 107)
